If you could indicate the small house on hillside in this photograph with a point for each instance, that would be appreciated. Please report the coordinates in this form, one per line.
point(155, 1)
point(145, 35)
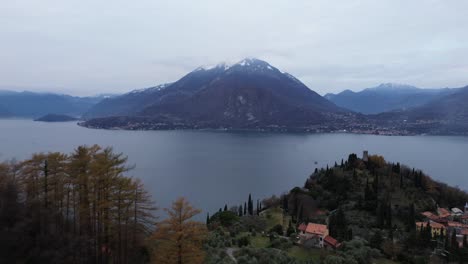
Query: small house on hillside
point(331, 243)
point(313, 236)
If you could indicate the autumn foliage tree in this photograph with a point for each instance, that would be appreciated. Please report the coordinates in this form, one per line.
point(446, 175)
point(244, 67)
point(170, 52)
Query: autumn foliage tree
point(179, 238)
point(77, 208)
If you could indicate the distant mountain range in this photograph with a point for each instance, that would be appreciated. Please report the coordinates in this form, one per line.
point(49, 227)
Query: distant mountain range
point(32, 105)
point(387, 97)
point(255, 95)
point(250, 94)
point(445, 115)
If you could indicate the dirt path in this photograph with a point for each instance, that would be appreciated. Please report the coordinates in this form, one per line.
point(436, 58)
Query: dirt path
point(230, 252)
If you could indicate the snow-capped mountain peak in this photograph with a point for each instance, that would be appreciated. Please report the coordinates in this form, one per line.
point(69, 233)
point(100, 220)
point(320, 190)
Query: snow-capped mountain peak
point(150, 89)
point(222, 65)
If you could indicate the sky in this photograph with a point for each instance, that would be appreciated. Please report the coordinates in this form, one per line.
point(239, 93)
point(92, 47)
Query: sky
point(90, 47)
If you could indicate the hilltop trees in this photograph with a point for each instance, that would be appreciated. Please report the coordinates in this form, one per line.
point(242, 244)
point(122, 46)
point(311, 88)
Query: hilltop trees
point(77, 208)
point(179, 238)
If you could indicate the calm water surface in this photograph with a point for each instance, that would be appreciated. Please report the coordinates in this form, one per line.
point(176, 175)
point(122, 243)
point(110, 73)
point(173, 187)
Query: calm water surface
point(214, 168)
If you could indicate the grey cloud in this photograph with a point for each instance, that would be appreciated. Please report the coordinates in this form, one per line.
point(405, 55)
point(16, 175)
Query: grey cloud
point(87, 47)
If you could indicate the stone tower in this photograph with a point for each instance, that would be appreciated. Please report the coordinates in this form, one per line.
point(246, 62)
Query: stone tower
point(365, 156)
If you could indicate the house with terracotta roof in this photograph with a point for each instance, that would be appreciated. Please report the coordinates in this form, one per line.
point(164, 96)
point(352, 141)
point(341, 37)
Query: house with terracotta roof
point(443, 213)
point(429, 216)
point(452, 226)
point(331, 243)
point(302, 227)
point(313, 235)
point(436, 228)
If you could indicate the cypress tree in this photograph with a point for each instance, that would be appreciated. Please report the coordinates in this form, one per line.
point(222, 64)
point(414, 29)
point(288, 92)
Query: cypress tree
point(240, 210)
point(225, 207)
point(245, 208)
point(300, 214)
point(207, 218)
point(350, 234)
point(389, 216)
point(250, 205)
point(290, 229)
point(454, 242)
point(380, 215)
point(447, 241)
point(411, 219)
point(285, 204)
point(428, 234)
point(46, 174)
point(401, 181)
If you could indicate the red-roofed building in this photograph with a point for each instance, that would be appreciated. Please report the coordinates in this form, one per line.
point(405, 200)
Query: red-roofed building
point(455, 224)
point(331, 243)
point(443, 213)
point(430, 216)
point(302, 227)
point(317, 229)
point(313, 235)
point(436, 228)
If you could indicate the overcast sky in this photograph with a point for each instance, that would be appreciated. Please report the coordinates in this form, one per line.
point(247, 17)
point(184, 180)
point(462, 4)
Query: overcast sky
point(88, 47)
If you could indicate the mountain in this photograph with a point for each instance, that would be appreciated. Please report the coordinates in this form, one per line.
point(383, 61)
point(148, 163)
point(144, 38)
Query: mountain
point(248, 94)
point(445, 115)
point(56, 118)
point(4, 112)
point(126, 104)
point(33, 105)
point(386, 97)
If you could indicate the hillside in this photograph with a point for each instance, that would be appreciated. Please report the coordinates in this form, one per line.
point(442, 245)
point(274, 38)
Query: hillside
point(56, 118)
point(126, 104)
point(249, 94)
point(33, 105)
point(386, 97)
point(4, 112)
point(369, 207)
point(446, 115)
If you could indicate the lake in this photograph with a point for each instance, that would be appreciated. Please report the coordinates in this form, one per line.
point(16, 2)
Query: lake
point(214, 168)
